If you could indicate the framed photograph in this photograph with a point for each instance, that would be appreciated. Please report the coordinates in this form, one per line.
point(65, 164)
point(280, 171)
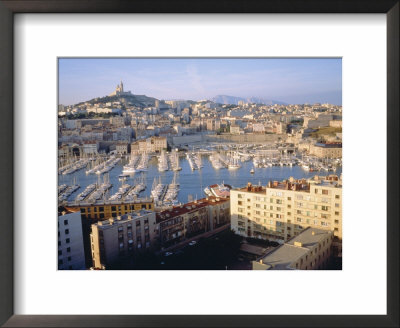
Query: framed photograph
point(206, 163)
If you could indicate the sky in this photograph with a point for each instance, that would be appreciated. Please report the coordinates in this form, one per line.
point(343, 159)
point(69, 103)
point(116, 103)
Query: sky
point(294, 81)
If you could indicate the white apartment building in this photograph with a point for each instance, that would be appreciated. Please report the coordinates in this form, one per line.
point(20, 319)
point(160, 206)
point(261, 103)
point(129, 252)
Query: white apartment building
point(283, 209)
point(71, 254)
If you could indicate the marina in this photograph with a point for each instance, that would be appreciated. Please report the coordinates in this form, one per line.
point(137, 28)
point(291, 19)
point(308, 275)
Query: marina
point(192, 182)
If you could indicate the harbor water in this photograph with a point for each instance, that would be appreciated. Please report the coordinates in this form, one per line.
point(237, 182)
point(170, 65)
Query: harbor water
point(192, 183)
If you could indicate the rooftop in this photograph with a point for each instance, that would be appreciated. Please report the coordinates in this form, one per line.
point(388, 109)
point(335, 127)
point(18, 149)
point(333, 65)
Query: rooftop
point(124, 218)
point(189, 207)
point(283, 256)
point(329, 144)
point(293, 184)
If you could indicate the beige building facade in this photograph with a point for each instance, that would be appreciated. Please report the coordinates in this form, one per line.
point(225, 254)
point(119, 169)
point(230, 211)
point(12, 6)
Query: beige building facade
point(282, 210)
point(327, 150)
point(116, 238)
point(149, 145)
point(310, 250)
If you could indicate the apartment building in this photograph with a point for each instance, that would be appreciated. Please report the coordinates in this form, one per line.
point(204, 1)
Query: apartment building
point(93, 213)
point(309, 250)
point(327, 150)
point(284, 209)
point(116, 238)
point(192, 219)
point(70, 241)
point(149, 145)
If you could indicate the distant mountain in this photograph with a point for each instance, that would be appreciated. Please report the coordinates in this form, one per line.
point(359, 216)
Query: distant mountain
point(223, 99)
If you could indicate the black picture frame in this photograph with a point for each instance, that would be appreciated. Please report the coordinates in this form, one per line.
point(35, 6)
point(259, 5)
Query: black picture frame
point(7, 10)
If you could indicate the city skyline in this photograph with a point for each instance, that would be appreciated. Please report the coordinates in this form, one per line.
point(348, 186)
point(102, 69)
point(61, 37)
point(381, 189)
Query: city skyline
point(287, 80)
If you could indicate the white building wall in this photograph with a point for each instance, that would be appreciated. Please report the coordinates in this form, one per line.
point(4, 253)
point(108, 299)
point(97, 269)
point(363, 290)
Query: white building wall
point(71, 254)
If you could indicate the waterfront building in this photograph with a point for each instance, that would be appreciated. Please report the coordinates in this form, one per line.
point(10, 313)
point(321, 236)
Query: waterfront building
point(114, 239)
point(122, 148)
point(282, 210)
point(192, 219)
point(327, 149)
point(90, 148)
point(309, 250)
point(70, 241)
point(149, 145)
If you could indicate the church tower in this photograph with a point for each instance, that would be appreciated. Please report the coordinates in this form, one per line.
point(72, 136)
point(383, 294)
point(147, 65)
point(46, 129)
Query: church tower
point(122, 87)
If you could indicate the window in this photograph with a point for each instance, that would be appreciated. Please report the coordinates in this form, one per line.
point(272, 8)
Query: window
point(324, 208)
point(59, 253)
point(240, 196)
point(82, 210)
point(69, 258)
point(67, 231)
point(101, 208)
point(68, 249)
point(316, 191)
point(67, 240)
point(324, 192)
point(240, 203)
point(59, 243)
point(337, 205)
point(113, 208)
point(336, 221)
point(289, 198)
point(60, 262)
point(65, 222)
point(336, 213)
point(337, 196)
point(289, 213)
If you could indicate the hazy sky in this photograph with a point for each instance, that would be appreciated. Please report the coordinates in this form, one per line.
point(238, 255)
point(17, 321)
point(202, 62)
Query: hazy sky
point(288, 80)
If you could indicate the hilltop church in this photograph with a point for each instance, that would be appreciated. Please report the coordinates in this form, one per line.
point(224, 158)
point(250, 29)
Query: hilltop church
point(119, 91)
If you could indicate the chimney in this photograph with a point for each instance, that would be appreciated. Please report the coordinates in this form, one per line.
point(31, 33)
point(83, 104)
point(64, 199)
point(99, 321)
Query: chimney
point(249, 186)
